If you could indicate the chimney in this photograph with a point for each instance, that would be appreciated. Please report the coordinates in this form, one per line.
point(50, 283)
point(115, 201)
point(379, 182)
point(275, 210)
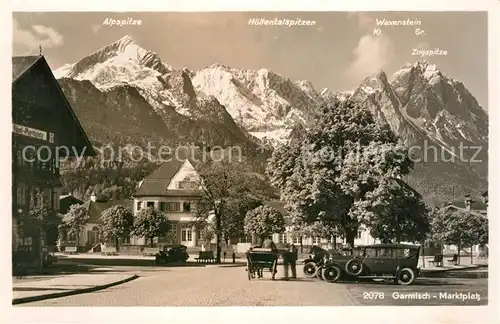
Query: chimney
point(468, 201)
point(93, 196)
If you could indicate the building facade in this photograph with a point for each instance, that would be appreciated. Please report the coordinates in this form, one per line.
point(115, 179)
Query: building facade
point(172, 188)
point(474, 206)
point(45, 129)
point(89, 239)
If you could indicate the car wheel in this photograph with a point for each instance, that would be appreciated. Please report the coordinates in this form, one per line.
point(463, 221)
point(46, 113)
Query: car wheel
point(310, 269)
point(319, 273)
point(354, 267)
point(331, 273)
point(405, 277)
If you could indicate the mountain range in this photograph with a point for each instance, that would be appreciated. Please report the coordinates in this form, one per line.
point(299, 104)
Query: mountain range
point(125, 94)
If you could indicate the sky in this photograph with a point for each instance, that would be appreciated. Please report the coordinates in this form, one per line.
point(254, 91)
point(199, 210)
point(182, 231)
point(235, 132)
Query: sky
point(337, 52)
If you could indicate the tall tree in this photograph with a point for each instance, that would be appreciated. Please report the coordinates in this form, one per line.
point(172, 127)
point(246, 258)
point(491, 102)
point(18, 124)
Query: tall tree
point(316, 229)
point(224, 184)
point(150, 223)
point(117, 224)
point(333, 172)
point(75, 219)
point(401, 216)
point(459, 227)
point(264, 221)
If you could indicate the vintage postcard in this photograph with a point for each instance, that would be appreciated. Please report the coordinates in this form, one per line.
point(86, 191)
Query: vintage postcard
point(251, 158)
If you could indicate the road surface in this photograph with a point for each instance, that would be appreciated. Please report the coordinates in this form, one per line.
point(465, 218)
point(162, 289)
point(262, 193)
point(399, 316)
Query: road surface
point(229, 286)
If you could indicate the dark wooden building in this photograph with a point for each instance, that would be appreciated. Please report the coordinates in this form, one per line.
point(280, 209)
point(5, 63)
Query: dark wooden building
point(45, 129)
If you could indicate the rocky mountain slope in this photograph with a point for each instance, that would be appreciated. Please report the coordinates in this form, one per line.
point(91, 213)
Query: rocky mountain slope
point(123, 92)
point(127, 95)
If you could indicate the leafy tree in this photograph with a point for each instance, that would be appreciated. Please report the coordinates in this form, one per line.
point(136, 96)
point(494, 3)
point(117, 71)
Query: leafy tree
point(316, 229)
point(223, 184)
point(334, 172)
point(459, 227)
point(117, 223)
point(150, 223)
point(264, 221)
point(75, 220)
point(233, 216)
point(401, 216)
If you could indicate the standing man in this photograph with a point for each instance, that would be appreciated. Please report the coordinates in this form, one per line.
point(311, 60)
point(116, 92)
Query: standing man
point(293, 260)
point(286, 262)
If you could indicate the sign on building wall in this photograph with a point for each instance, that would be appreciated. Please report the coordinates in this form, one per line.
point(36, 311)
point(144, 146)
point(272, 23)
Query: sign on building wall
point(33, 133)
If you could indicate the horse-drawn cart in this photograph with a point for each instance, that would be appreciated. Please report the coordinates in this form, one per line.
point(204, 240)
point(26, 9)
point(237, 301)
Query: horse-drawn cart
point(260, 259)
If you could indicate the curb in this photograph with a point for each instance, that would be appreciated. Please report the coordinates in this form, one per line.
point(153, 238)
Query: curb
point(457, 274)
point(30, 299)
point(453, 269)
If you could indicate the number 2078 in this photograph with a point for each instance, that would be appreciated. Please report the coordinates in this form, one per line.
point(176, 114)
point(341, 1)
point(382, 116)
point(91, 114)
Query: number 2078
point(373, 295)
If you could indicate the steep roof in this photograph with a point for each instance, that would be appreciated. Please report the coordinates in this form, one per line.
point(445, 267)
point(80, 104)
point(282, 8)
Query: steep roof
point(474, 205)
point(21, 64)
point(77, 138)
point(96, 208)
point(401, 183)
point(277, 204)
point(156, 183)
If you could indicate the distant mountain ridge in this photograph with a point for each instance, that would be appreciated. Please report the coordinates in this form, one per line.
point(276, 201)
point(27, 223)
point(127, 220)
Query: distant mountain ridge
point(140, 96)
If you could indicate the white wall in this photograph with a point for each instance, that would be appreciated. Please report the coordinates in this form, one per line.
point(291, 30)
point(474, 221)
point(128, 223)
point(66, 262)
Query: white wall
point(187, 171)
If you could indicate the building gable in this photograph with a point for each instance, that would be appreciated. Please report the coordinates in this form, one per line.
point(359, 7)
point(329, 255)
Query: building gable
point(38, 102)
point(171, 172)
point(186, 178)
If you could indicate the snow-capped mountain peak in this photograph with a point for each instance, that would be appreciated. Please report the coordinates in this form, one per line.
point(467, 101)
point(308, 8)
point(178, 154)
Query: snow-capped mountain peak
point(117, 63)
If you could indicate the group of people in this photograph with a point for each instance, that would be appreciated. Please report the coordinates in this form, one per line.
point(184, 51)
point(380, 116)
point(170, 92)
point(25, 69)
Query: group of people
point(290, 256)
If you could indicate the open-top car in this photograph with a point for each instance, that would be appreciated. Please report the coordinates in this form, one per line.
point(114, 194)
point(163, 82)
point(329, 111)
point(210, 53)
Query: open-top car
point(172, 253)
point(397, 262)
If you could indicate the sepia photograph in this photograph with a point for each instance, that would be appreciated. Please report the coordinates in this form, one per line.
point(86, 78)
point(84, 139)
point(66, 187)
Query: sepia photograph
point(252, 158)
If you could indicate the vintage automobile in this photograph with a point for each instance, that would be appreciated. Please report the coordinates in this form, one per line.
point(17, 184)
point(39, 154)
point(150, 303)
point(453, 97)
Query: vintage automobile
point(395, 262)
point(313, 264)
point(172, 253)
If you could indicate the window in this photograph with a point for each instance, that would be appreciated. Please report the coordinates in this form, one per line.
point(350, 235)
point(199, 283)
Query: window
point(20, 160)
point(21, 195)
point(189, 183)
point(163, 206)
point(316, 240)
point(72, 237)
point(297, 240)
point(139, 204)
point(283, 238)
point(358, 236)
point(186, 206)
point(126, 240)
point(150, 204)
point(200, 235)
point(384, 252)
point(173, 206)
point(173, 229)
point(186, 234)
point(246, 239)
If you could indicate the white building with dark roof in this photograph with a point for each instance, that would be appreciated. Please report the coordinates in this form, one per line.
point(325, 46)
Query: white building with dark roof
point(172, 188)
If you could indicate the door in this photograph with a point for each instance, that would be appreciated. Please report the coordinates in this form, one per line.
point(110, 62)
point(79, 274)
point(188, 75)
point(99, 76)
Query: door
point(387, 261)
point(187, 236)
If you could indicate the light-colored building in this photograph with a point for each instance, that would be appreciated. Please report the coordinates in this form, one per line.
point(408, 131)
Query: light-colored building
point(172, 188)
point(478, 207)
point(89, 236)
